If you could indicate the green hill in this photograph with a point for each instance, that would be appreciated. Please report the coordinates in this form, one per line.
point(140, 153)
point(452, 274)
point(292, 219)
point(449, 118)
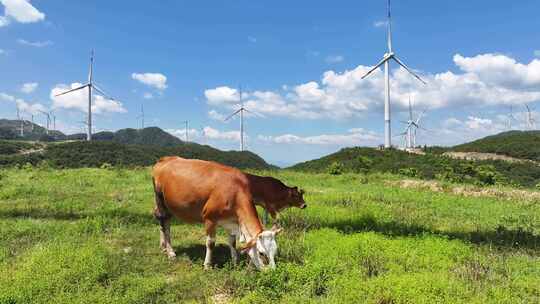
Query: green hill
point(429, 166)
point(97, 153)
point(518, 144)
point(10, 129)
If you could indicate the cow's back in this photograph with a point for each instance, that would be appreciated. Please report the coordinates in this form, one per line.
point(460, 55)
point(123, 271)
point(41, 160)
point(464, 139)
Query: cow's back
point(187, 184)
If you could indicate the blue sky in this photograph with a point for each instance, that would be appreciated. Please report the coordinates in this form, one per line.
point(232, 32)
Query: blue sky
point(298, 62)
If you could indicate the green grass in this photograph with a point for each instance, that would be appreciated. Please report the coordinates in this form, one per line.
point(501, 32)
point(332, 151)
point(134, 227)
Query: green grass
point(87, 236)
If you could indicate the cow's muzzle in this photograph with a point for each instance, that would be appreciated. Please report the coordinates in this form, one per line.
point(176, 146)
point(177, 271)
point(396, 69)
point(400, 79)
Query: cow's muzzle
point(303, 206)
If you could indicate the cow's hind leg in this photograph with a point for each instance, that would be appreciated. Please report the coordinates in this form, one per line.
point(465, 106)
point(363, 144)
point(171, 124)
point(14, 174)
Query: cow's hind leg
point(164, 218)
point(210, 243)
point(232, 247)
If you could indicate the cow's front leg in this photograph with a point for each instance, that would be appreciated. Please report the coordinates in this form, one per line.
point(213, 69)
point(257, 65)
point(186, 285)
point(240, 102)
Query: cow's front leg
point(210, 244)
point(232, 247)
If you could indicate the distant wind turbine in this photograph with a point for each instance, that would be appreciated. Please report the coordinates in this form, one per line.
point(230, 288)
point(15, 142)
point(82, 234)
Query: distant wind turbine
point(389, 55)
point(186, 123)
point(412, 127)
point(511, 118)
point(21, 121)
point(91, 87)
point(241, 112)
point(141, 116)
point(48, 116)
point(531, 122)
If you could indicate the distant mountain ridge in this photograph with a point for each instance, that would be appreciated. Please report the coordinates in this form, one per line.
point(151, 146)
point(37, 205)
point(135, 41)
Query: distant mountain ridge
point(127, 147)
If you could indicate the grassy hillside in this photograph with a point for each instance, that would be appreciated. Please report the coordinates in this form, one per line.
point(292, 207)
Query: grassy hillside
point(87, 236)
point(97, 153)
point(10, 129)
point(519, 144)
point(428, 166)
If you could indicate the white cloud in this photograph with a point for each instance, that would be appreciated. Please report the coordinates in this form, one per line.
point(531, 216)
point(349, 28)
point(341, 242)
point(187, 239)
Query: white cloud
point(216, 115)
point(380, 23)
point(206, 133)
point(212, 133)
point(23, 106)
point(222, 95)
point(354, 137)
point(78, 100)
point(156, 80)
point(148, 95)
point(21, 11)
point(334, 59)
point(485, 80)
point(4, 21)
point(38, 44)
point(29, 87)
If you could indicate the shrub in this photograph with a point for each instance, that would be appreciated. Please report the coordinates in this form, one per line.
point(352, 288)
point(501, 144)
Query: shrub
point(410, 172)
point(336, 168)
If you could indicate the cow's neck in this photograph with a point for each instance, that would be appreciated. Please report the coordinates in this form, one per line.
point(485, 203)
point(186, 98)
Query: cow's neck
point(249, 222)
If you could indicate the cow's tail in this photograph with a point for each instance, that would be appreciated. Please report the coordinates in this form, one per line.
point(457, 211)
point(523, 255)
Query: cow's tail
point(160, 210)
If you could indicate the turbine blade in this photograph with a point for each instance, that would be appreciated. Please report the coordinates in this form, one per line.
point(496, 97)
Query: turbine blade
point(254, 113)
point(376, 66)
point(230, 116)
point(72, 90)
point(101, 92)
point(420, 117)
point(408, 70)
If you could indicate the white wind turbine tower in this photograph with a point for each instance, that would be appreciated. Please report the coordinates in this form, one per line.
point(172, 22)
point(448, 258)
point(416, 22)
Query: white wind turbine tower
point(241, 112)
point(531, 122)
point(91, 86)
point(141, 116)
point(21, 121)
point(48, 116)
point(389, 55)
point(186, 124)
point(510, 118)
point(412, 127)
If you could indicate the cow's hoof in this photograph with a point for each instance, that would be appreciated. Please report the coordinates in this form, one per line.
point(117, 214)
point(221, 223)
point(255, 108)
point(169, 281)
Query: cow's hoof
point(207, 267)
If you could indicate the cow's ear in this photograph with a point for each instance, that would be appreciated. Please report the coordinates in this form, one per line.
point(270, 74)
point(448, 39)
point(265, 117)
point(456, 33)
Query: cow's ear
point(277, 229)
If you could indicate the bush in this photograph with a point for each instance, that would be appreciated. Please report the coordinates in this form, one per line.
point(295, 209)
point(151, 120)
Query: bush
point(336, 168)
point(410, 172)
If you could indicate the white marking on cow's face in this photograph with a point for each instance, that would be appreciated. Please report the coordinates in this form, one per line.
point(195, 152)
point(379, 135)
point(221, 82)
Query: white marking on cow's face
point(267, 248)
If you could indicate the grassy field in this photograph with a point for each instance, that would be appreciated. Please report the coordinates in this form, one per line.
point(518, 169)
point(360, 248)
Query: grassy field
point(87, 236)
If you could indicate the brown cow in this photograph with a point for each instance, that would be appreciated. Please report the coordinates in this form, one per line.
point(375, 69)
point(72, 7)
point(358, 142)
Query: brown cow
point(198, 191)
point(273, 195)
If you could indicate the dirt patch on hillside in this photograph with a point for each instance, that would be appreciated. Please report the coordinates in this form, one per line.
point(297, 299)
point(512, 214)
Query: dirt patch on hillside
point(486, 156)
point(469, 190)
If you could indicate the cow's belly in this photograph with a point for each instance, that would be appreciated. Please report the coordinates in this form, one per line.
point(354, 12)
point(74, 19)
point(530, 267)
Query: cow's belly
point(191, 213)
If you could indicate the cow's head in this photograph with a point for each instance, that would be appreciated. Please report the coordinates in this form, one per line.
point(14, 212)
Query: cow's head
point(296, 198)
point(263, 248)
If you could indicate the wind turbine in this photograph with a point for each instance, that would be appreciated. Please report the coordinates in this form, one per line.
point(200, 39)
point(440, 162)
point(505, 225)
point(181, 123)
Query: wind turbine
point(241, 112)
point(186, 129)
point(48, 116)
point(412, 127)
point(141, 116)
point(531, 122)
point(389, 55)
point(511, 117)
point(20, 121)
point(91, 87)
